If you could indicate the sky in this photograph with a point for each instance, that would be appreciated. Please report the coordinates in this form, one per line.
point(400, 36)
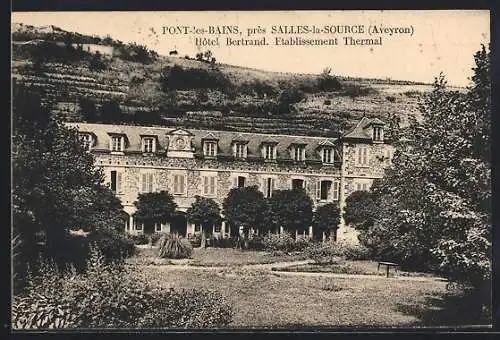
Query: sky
point(440, 41)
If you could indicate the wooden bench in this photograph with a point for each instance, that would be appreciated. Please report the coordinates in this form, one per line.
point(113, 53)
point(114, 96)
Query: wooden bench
point(388, 265)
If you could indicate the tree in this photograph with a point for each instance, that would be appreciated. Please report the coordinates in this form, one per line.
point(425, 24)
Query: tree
point(291, 209)
point(434, 204)
point(205, 212)
point(326, 219)
point(110, 112)
point(56, 187)
point(87, 109)
point(359, 210)
point(289, 96)
point(155, 207)
point(245, 207)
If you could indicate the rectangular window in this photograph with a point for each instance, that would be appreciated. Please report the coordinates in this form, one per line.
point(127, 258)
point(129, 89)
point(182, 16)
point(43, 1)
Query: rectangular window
point(326, 186)
point(113, 181)
point(269, 151)
point(365, 186)
point(197, 227)
point(179, 184)
point(239, 150)
point(147, 182)
point(138, 226)
point(363, 156)
point(209, 185)
point(358, 186)
point(210, 149)
point(217, 227)
point(86, 140)
point(299, 153)
point(158, 227)
point(116, 143)
point(327, 155)
point(298, 184)
point(377, 133)
point(268, 187)
point(241, 181)
point(148, 145)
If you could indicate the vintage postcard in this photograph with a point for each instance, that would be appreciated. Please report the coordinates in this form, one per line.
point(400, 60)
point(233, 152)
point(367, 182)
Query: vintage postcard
point(242, 170)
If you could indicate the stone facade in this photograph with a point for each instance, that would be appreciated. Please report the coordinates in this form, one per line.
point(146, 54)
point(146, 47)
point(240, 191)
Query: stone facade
point(179, 155)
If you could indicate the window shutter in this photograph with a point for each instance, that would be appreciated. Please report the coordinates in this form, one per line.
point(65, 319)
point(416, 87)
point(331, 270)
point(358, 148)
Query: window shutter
point(143, 183)
point(205, 185)
point(365, 156)
point(336, 190)
point(235, 182)
point(318, 189)
point(212, 185)
point(272, 184)
point(264, 186)
point(176, 184)
point(150, 182)
point(119, 182)
point(181, 183)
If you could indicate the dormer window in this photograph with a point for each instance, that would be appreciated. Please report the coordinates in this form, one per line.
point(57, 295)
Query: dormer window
point(269, 151)
point(148, 144)
point(117, 143)
point(378, 134)
point(210, 148)
point(87, 141)
point(299, 153)
point(240, 150)
point(327, 155)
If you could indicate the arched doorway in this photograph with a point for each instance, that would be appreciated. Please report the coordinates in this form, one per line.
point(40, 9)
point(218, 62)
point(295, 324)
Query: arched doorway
point(178, 225)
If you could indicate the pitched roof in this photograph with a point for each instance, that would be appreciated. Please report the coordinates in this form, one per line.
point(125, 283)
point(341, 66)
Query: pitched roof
point(225, 139)
point(360, 130)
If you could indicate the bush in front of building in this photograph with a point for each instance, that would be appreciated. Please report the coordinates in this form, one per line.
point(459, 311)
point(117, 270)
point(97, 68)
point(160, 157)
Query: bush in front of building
point(110, 296)
point(139, 239)
point(279, 242)
point(195, 240)
point(332, 251)
point(175, 247)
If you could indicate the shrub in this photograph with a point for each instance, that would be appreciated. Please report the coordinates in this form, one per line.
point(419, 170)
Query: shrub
point(301, 243)
point(327, 102)
point(109, 296)
point(333, 251)
point(175, 247)
point(155, 237)
point(226, 242)
point(139, 239)
point(113, 245)
point(282, 242)
point(256, 242)
point(195, 240)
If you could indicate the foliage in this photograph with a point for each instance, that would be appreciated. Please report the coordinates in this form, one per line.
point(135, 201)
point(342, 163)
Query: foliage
point(175, 247)
point(434, 205)
point(56, 187)
point(224, 242)
point(245, 207)
point(112, 244)
point(178, 78)
point(327, 82)
point(354, 91)
point(279, 242)
point(204, 211)
point(96, 63)
point(330, 252)
point(291, 209)
point(136, 53)
point(155, 207)
point(108, 296)
point(359, 209)
point(87, 109)
point(110, 112)
point(288, 97)
point(139, 239)
point(326, 218)
point(195, 240)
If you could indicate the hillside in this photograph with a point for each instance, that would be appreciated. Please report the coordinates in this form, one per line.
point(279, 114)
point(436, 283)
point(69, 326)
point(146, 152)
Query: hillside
point(234, 98)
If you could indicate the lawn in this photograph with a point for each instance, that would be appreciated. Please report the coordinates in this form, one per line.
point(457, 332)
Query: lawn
point(262, 298)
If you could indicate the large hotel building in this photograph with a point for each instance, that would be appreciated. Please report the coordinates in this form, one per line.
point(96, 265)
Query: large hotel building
point(189, 162)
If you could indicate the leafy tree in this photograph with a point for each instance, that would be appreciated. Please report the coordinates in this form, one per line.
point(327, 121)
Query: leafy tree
point(96, 63)
point(291, 209)
point(359, 209)
point(55, 185)
point(393, 131)
point(110, 112)
point(87, 109)
point(434, 205)
point(245, 207)
point(289, 96)
point(155, 207)
point(205, 212)
point(326, 219)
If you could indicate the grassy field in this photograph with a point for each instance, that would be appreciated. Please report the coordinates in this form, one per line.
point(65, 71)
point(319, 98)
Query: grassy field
point(262, 298)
